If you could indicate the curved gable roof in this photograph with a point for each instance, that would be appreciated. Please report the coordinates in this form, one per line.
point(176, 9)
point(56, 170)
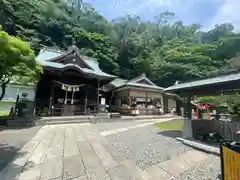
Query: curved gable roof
point(48, 54)
point(48, 57)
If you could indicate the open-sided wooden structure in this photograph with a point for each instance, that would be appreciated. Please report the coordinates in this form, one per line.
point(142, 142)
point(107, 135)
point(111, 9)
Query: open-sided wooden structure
point(211, 86)
point(140, 95)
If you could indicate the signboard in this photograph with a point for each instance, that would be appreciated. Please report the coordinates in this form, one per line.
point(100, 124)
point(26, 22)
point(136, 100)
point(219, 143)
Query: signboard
point(103, 101)
point(230, 161)
point(142, 99)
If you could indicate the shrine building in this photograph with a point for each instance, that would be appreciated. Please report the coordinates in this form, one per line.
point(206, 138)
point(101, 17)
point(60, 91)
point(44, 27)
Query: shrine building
point(73, 84)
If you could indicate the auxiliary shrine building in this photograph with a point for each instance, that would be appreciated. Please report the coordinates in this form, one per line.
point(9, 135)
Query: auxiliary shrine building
point(73, 84)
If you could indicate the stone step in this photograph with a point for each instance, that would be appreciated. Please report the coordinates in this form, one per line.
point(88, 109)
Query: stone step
point(156, 173)
point(20, 123)
point(122, 172)
point(64, 118)
point(183, 162)
point(135, 170)
point(169, 169)
point(66, 121)
point(151, 173)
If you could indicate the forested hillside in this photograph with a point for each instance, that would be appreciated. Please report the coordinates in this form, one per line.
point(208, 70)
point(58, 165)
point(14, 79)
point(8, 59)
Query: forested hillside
point(166, 51)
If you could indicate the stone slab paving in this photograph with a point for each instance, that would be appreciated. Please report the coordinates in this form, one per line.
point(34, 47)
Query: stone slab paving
point(80, 152)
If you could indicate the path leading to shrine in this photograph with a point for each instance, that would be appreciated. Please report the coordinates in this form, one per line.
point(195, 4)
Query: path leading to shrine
point(111, 151)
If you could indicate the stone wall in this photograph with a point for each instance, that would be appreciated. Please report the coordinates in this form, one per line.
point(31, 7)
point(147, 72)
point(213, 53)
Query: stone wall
point(228, 130)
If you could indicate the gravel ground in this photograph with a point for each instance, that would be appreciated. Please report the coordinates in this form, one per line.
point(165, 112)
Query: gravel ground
point(207, 170)
point(149, 146)
point(145, 146)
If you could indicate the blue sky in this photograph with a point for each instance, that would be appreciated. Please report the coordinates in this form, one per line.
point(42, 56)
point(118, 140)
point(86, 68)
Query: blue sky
point(204, 12)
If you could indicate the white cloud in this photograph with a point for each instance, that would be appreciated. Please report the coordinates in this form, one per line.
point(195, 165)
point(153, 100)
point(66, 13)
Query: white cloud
point(228, 12)
point(151, 4)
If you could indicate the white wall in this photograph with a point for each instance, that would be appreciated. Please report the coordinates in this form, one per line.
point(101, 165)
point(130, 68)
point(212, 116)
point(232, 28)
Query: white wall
point(13, 90)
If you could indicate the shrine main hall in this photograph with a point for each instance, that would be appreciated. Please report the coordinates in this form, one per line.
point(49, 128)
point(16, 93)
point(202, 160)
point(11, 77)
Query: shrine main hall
point(73, 84)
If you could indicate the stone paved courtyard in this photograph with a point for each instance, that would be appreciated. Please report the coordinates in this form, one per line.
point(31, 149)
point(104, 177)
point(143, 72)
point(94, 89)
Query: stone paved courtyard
point(114, 151)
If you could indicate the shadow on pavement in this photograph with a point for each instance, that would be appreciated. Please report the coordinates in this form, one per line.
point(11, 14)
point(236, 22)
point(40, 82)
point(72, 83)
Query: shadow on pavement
point(12, 141)
point(7, 154)
point(171, 133)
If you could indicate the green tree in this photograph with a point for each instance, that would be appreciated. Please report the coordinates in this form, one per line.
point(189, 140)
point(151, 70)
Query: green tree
point(164, 49)
point(98, 46)
point(16, 59)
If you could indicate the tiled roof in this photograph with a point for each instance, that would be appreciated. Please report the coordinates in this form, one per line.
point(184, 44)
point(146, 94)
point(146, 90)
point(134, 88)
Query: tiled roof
point(209, 81)
point(117, 83)
point(143, 85)
point(46, 55)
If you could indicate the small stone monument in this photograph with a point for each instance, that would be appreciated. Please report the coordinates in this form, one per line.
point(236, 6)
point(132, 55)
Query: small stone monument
point(24, 112)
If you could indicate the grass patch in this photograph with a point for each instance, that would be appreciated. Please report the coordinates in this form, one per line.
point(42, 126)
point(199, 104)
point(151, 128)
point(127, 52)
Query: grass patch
point(176, 124)
point(4, 113)
point(5, 107)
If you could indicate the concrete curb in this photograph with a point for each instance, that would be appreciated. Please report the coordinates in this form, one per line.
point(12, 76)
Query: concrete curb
point(200, 146)
point(98, 120)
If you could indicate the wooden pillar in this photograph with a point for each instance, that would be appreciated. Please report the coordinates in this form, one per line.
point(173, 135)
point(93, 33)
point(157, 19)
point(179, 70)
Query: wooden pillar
point(197, 111)
point(146, 101)
point(165, 103)
point(187, 130)
point(65, 100)
point(129, 99)
point(178, 106)
point(85, 101)
point(110, 101)
point(35, 98)
point(72, 96)
point(85, 105)
point(51, 100)
point(98, 84)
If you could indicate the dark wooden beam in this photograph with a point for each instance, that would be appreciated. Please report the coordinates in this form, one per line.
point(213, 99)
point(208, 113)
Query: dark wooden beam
point(98, 86)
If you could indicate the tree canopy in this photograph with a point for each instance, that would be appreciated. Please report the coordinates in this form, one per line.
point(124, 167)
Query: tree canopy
point(165, 50)
point(17, 59)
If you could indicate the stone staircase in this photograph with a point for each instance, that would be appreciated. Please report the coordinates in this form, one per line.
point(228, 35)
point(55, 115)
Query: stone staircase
point(64, 120)
point(21, 121)
point(98, 118)
point(166, 170)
